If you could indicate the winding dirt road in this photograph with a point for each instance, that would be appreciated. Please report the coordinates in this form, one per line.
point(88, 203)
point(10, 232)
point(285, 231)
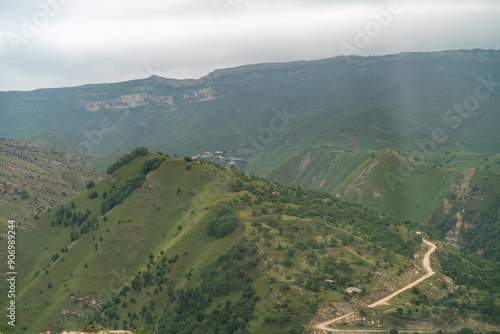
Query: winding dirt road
point(427, 266)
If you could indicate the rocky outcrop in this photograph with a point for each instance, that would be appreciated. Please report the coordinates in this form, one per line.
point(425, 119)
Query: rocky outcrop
point(7, 188)
point(200, 95)
point(127, 101)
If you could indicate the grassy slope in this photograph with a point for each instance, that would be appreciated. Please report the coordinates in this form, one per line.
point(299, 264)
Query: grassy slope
point(396, 185)
point(147, 223)
point(102, 164)
point(49, 140)
point(142, 231)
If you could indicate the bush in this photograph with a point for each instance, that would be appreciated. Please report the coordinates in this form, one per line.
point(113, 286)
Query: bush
point(224, 222)
point(152, 165)
point(465, 330)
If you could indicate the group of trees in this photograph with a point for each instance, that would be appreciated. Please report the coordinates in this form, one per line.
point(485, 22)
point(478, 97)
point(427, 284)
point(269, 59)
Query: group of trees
point(118, 196)
point(191, 314)
point(152, 165)
point(473, 271)
point(304, 203)
point(138, 151)
point(231, 271)
point(484, 235)
point(224, 222)
point(68, 218)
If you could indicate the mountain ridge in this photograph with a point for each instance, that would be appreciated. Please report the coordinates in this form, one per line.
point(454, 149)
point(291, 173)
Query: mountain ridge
point(190, 82)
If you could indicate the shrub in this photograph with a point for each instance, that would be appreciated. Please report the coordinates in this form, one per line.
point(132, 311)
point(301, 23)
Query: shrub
point(224, 222)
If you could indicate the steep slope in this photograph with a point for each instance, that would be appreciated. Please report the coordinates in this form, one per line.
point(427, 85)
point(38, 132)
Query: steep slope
point(183, 245)
point(34, 178)
point(384, 180)
point(135, 248)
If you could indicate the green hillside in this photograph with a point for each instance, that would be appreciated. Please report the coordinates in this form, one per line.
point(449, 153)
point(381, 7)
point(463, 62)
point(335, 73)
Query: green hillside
point(50, 140)
point(192, 246)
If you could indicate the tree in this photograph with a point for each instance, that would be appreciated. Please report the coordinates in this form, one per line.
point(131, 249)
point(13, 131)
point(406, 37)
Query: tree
point(55, 257)
point(466, 330)
point(90, 184)
point(394, 331)
point(148, 318)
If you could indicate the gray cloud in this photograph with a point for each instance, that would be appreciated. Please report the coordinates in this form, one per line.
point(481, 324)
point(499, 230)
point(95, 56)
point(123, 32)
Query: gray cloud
point(90, 41)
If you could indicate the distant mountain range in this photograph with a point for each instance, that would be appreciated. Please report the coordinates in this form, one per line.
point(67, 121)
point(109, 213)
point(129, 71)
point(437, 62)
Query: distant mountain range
point(362, 128)
point(257, 111)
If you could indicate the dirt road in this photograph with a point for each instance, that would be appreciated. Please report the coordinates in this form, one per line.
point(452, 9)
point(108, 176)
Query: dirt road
point(427, 266)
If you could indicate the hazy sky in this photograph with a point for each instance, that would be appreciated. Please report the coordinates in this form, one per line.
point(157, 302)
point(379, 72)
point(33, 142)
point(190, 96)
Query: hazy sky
point(56, 43)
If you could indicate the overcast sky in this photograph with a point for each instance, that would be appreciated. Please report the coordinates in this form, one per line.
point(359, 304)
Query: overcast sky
point(57, 43)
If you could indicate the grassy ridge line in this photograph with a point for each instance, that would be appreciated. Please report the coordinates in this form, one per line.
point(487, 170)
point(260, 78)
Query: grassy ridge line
point(389, 187)
point(140, 226)
point(120, 240)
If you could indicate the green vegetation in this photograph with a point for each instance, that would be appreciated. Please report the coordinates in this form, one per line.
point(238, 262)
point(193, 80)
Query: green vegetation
point(117, 197)
point(139, 151)
point(152, 165)
point(34, 179)
point(484, 236)
point(224, 222)
point(231, 272)
point(176, 273)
